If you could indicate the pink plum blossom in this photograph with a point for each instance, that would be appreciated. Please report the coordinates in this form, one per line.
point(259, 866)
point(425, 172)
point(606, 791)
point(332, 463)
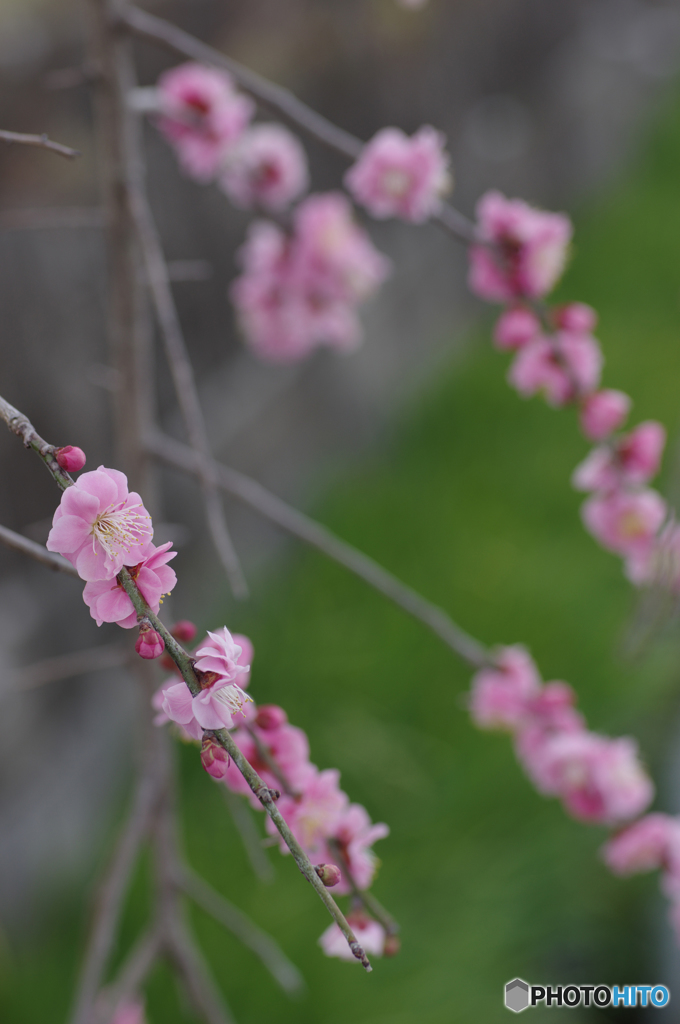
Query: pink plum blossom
point(267, 168)
point(398, 176)
point(598, 778)
point(624, 522)
point(107, 600)
point(149, 643)
point(500, 692)
point(515, 328)
point(603, 412)
point(633, 460)
point(355, 835)
point(314, 815)
point(202, 116)
point(548, 713)
point(222, 697)
point(658, 561)
point(214, 758)
point(129, 1012)
point(576, 317)
point(270, 717)
point(222, 654)
point(369, 933)
point(184, 631)
point(562, 368)
point(522, 250)
point(71, 459)
point(650, 843)
point(300, 291)
point(99, 526)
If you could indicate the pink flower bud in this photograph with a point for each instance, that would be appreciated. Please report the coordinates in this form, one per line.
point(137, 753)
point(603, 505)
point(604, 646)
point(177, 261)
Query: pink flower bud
point(576, 317)
point(71, 459)
point(604, 412)
point(329, 874)
point(270, 716)
point(515, 328)
point(149, 643)
point(184, 631)
point(214, 758)
point(392, 945)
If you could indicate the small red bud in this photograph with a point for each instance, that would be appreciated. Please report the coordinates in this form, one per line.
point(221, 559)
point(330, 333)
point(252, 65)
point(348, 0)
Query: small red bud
point(184, 631)
point(71, 459)
point(329, 874)
point(149, 643)
point(392, 945)
point(214, 758)
point(270, 716)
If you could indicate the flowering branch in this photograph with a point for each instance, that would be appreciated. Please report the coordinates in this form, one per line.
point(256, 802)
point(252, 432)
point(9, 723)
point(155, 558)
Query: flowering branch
point(365, 896)
point(275, 98)
point(42, 141)
point(297, 523)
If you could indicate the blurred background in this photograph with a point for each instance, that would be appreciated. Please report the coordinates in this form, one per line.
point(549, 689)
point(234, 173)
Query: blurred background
point(414, 449)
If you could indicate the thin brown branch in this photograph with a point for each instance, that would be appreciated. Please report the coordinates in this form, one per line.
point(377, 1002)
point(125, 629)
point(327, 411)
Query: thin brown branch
point(42, 141)
point(185, 385)
point(109, 901)
point(35, 551)
point(130, 977)
point(280, 101)
point(192, 968)
point(250, 837)
point(297, 523)
point(263, 945)
point(265, 756)
point(23, 428)
point(65, 666)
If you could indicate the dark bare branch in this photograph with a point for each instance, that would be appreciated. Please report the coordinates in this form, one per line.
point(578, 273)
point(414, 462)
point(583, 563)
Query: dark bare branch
point(42, 141)
point(35, 551)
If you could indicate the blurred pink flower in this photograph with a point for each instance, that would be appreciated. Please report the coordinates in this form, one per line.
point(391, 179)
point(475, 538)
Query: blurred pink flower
point(314, 815)
point(398, 176)
point(356, 834)
point(267, 168)
point(624, 522)
point(202, 115)
point(603, 412)
point(369, 933)
point(525, 251)
point(576, 317)
point(100, 527)
point(107, 600)
point(515, 328)
point(650, 843)
point(129, 1012)
point(562, 368)
point(500, 692)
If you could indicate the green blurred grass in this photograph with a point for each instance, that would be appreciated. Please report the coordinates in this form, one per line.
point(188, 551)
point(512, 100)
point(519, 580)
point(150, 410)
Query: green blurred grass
point(469, 501)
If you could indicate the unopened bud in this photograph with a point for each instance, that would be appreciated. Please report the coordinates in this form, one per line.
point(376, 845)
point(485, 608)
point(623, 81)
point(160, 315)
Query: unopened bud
point(149, 643)
point(214, 758)
point(392, 945)
point(270, 716)
point(71, 459)
point(577, 316)
point(184, 631)
point(329, 874)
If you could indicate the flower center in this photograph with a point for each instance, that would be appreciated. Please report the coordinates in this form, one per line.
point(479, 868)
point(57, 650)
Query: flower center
point(119, 530)
point(233, 699)
point(396, 182)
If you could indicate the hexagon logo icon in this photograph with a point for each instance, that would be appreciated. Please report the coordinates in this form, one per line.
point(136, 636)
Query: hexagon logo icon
point(517, 995)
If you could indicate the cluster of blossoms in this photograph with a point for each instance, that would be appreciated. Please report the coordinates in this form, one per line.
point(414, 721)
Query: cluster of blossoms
point(336, 835)
point(519, 257)
point(598, 779)
point(101, 527)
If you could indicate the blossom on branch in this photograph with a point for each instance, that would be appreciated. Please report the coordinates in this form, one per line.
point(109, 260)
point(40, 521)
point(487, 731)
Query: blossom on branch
point(314, 815)
point(355, 835)
point(267, 168)
point(515, 328)
point(522, 251)
point(71, 459)
point(149, 644)
point(650, 843)
point(99, 526)
point(562, 367)
point(222, 675)
point(603, 412)
point(107, 600)
point(202, 115)
point(369, 933)
point(500, 693)
point(398, 176)
point(625, 521)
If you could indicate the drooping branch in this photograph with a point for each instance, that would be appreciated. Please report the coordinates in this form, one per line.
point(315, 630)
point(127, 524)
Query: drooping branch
point(35, 551)
point(299, 525)
point(277, 99)
point(130, 977)
point(23, 428)
point(269, 952)
point(64, 666)
point(42, 141)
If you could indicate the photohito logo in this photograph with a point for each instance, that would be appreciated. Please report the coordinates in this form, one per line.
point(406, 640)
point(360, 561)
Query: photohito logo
point(519, 995)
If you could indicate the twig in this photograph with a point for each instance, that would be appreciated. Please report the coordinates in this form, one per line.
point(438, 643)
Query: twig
point(297, 523)
point(38, 140)
point(36, 551)
point(366, 897)
point(183, 377)
point(23, 428)
point(110, 899)
point(266, 797)
point(65, 666)
point(250, 837)
point(275, 98)
point(191, 966)
point(265, 756)
point(269, 952)
point(135, 968)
